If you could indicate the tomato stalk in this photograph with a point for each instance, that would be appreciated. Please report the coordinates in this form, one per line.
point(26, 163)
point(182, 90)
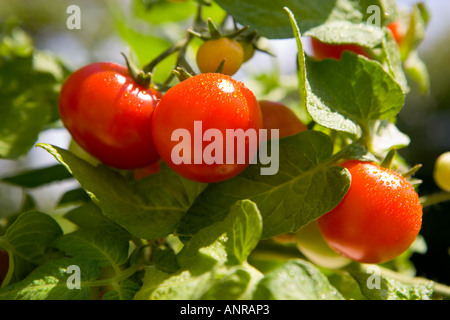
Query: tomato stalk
point(434, 198)
point(142, 77)
point(180, 47)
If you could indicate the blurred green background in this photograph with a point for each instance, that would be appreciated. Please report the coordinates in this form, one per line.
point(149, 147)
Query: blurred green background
point(107, 28)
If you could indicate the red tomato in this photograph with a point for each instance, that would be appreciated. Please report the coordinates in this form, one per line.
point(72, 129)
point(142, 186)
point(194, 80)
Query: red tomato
point(278, 116)
point(379, 217)
point(109, 115)
point(216, 103)
point(4, 264)
point(323, 50)
point(397, 31)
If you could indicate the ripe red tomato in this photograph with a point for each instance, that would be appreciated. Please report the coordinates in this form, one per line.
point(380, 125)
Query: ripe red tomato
point(216, 103)
point(4, 264)
point(212, 52)
point(109, 115)
point(324, 50)
point(379, 217)
point(397, 31)
point(278, 116)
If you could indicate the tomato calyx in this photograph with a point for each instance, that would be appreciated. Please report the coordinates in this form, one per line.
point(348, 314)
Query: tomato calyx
point(212, 32)
point(389, 159)
point(140, 76)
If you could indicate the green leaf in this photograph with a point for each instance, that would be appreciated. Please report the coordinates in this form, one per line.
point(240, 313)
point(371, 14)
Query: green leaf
point(306, 186)
point(301, 73)
point(127, 290)
point(30, 235)
point(356, 91)
point(296, 280)
point(213, 263)
point(38, 177)
point(390, 58)
point(376, 286)
point(231, 240)
point(90, 217)
point(418, 71)
point(163, 11)
point(416, 30)
point(220, 283)
point(246, 229)
point(309, 14)
point(149, 209)
point(165, 259)
point(29, 84)
point(50, 282)
point(28, 239)
point(103, 246)
point(74, 196)
point(387, 9)
point(386, 136)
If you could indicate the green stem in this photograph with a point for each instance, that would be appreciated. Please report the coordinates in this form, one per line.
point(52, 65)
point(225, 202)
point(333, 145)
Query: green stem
point(434, 198)
point(180, 47)
point(366, 139)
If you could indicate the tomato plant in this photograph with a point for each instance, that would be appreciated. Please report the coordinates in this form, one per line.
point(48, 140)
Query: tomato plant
point(379, 217)
point(215, 101)
point(108, 114)
point(150, 179)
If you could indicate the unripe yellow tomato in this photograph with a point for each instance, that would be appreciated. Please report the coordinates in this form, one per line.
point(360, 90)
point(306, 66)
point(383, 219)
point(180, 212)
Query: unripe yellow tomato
point(441, 173)
point(310, 242)
point(212, 52)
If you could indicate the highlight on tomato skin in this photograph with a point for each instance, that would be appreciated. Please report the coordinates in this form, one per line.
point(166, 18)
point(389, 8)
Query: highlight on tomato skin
point(379, 217)
point(279, 116)
point(322, 50)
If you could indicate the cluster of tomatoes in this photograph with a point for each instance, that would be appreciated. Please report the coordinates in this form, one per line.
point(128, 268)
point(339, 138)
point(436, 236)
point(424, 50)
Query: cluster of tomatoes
point(129, 126)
